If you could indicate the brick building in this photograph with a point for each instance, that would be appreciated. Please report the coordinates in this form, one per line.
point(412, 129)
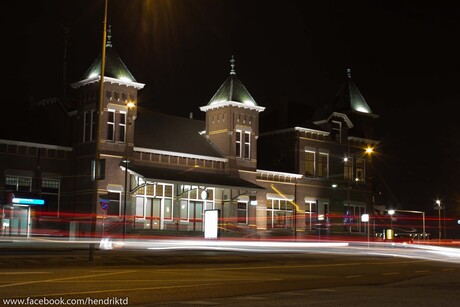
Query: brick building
point(163, 172)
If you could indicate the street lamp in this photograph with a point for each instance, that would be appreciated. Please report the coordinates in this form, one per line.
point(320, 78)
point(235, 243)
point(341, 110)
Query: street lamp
point(93, 217)
point(390, 232)
point(438, 203)
point(130, 105)
point(391, 212)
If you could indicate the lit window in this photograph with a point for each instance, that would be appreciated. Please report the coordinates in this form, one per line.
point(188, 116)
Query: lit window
point(279, 214)
point(323, 161)
point(360, 170)
point(309, 163)
point(311, 211)
point(238, 143)
point(20, 184)
point(243, 146)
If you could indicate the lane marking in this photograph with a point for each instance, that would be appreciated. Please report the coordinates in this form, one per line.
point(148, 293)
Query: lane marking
point(391, 273)
point(423, 271)
point(65, 278)
point(20, 273)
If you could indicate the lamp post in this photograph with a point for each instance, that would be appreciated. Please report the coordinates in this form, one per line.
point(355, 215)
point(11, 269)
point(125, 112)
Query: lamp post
point(93, 218)
point(438, 203)
point(391, 212)
point(130, 105)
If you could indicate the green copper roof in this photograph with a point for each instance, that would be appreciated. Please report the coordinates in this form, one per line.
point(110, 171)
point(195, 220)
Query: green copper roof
point(232, 90)
point(114, 66)
point(350, 98)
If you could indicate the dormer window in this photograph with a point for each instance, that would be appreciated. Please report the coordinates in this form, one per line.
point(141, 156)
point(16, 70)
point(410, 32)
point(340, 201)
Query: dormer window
point(336, 130)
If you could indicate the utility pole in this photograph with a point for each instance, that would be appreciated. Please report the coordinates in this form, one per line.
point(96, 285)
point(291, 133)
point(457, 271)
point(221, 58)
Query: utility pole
point(92, 246)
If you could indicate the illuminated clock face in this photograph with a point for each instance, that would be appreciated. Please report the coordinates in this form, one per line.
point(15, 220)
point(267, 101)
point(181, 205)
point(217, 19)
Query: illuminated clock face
point(204, 194)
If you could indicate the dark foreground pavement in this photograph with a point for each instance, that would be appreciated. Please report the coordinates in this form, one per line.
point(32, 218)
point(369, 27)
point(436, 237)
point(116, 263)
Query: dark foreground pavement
point(437, 289)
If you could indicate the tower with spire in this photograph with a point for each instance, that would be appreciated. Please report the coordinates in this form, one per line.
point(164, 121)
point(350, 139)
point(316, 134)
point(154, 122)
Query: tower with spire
point(348, 112)
point(232, 122)
point(117, 121)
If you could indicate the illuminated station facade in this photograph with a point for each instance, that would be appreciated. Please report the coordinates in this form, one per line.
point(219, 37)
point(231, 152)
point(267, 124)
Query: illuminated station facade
point(162, 173)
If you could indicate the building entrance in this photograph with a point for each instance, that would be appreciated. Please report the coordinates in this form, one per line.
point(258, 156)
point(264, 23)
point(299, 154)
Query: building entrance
point(153, 214)
point(196, 215)
point(16, 221)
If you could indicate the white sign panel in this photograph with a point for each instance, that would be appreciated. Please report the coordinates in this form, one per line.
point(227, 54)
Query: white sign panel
point(211, 224)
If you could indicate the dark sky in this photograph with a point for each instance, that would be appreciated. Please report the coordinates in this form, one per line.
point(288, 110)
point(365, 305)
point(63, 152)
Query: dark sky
point(404, 57)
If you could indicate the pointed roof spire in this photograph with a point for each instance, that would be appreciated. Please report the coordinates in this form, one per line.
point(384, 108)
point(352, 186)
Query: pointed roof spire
point(109, 37)
point(232, 92)
point(232, 64)
point(349, 97)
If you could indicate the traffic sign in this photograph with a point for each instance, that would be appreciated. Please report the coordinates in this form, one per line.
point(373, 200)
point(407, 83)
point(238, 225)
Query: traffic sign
point(104, 203)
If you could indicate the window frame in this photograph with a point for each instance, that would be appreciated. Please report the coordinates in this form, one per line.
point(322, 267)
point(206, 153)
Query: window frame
point(312, 163)
point(111, 125)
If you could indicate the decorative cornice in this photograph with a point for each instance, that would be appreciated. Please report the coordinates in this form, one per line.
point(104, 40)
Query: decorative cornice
point(110, 80)
point(301, 129)
point(38, 145)
point(233, 104)
point(290, 175)
point(363, 140)
point(179, 154)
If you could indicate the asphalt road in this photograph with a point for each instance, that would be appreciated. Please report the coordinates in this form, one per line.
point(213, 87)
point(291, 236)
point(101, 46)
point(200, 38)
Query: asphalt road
point(199, 278)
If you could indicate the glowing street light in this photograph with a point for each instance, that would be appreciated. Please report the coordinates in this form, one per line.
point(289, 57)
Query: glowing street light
point(438, 203)
point(391, 212)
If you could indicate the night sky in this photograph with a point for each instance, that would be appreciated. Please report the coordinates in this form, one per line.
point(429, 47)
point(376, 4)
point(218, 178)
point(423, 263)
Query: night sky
point(404, 57)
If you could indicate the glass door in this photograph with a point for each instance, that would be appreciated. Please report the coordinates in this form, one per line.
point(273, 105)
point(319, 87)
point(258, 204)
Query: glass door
point(153, 218)
point(196, 215)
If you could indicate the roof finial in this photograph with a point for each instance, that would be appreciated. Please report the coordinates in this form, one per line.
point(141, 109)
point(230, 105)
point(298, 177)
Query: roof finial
point(109, 37)
point(349, 73)
point(232, 64)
